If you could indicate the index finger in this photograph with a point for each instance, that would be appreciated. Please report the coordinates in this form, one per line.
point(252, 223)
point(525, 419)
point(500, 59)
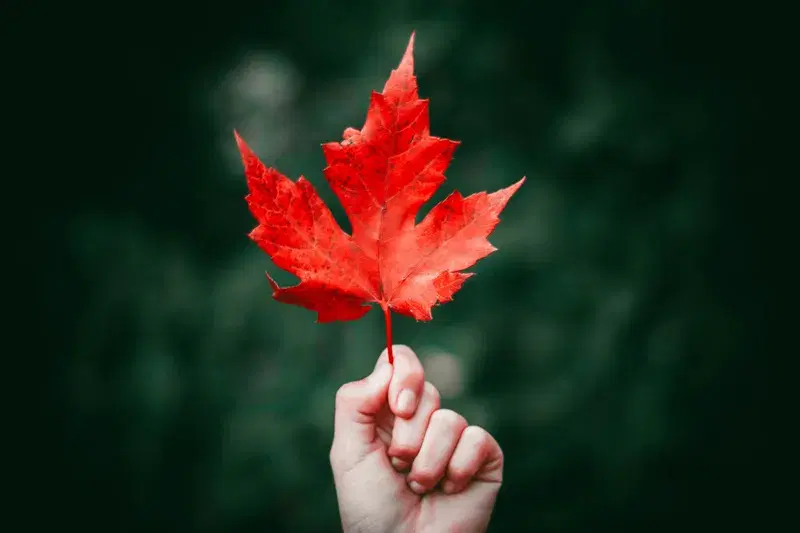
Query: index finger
point(405, 389)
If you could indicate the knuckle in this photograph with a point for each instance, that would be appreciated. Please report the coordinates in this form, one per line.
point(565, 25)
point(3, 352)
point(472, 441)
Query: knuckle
point(407, 356)
point(403, 451)
point(332, 453)
point(403, 349)
point(476, 435)
point(382, 358)
point(344, 393)
point(448, 418)
point(430, 391)
point(426, 476)
point(334, 457)
point(479, 438)
point(341, 395)
point(458, 474)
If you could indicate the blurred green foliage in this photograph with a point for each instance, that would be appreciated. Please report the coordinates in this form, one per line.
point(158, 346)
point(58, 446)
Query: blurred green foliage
point(601, 344)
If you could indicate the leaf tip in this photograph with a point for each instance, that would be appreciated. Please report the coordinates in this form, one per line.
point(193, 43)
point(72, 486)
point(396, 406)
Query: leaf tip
point(275, 287)
point(244, 149)
point(408, 56)
point(501, 197)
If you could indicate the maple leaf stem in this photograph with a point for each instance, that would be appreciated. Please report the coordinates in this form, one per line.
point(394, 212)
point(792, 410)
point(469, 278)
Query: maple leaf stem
point(387, 315)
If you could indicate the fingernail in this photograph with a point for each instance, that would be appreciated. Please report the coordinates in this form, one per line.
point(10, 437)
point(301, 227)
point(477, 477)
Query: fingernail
point(399, 463)
point(416, 487)
point(405, 401)
point(448, 486)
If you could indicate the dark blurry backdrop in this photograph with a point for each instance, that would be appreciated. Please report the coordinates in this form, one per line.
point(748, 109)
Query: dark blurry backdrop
point(615, 344)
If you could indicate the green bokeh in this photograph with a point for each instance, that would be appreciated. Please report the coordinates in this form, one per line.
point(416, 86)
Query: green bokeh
point(602, 344)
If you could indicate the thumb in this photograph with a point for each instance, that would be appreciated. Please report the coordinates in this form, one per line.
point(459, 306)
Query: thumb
point(357, 406)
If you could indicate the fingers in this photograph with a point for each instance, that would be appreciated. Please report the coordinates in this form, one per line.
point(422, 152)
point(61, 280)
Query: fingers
point(405, 389)
point(477, 457)
point(408, 434)
point(357, 405)
point(439, 444)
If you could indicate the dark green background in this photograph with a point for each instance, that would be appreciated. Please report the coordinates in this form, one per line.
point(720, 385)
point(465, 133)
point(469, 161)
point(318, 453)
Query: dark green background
point(614, 344)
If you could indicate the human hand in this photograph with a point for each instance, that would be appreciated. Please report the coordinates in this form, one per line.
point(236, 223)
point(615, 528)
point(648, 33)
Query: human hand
point(401, 464)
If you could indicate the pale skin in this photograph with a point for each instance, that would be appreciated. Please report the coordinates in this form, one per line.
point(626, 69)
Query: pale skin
point(402, 464)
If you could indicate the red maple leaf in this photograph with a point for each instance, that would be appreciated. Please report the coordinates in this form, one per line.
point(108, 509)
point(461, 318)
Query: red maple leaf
point(382, 175)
